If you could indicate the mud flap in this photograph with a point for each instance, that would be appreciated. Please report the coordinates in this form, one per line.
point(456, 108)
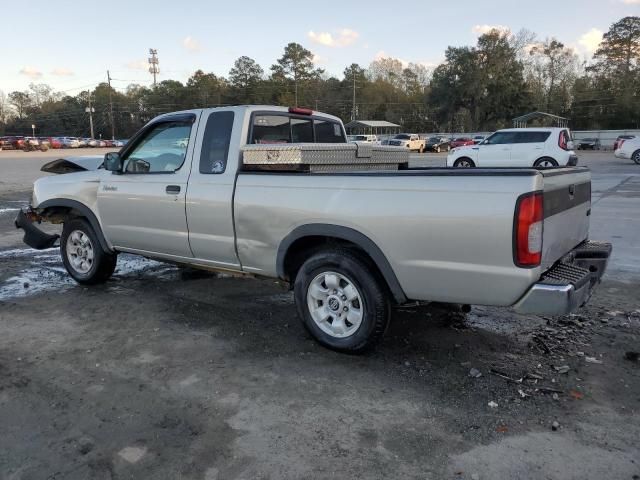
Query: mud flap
point(33, 236)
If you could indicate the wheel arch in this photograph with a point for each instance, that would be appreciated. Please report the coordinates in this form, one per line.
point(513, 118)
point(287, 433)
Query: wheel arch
point(310, 237)
point(545, 157)
point(75, 208)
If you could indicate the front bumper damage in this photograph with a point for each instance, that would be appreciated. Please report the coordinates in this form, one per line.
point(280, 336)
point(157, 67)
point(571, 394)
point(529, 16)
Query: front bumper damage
point(33, 236)
point(568, 284)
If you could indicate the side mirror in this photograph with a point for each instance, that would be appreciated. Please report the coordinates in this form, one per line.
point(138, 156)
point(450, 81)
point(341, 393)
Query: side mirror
point(112, 162)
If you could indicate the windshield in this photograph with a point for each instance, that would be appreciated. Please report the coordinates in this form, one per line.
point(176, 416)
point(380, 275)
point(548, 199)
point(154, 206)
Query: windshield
point(402, 136)
point(434, 139)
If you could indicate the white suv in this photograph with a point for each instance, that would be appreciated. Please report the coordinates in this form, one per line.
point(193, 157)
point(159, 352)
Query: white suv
point(518, 147)
point(629, 149)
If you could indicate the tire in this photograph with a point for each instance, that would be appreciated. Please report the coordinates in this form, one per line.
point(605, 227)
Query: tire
point(464, 162)
point(545, 162)
point(82, 254)
point(635, 156)
point(346, 290)
point(421, 150)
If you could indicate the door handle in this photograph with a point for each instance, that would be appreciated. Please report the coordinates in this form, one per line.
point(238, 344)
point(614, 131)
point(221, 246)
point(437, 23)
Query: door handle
point(173, 189)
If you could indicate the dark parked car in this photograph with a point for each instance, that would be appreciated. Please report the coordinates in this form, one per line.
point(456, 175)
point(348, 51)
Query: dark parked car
point(589, 144)
point(438, 144)
point(618, 143)
point(6, 143)
point(12, 142)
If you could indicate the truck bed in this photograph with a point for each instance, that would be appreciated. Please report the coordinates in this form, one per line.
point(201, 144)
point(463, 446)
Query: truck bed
point(451, 241)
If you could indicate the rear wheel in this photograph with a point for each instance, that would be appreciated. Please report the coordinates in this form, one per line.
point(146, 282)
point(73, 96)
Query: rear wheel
point(464, 163)
point(545, 162)
point(341, 301)
point(437, 149)
point(635, 156)
point(82, 254)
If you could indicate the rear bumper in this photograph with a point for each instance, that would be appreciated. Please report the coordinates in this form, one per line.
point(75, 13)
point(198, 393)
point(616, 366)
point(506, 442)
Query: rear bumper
point(573, 161)
point(568, 284)
point(620, 154)
point(33, 236)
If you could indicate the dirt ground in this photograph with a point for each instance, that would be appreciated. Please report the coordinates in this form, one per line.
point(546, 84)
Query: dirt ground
point(168, 373)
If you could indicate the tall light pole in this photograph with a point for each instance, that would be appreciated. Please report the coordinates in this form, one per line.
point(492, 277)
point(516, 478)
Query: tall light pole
point(33, 130)
point(154, 69)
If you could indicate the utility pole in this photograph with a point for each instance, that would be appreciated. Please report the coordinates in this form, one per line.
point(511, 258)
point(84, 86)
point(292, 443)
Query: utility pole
point(353, 106)
point(154, 69)
point(113, 128)
point(90, 111)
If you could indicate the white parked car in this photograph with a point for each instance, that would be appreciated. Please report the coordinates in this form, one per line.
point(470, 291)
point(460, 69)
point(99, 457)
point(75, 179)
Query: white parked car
point(364, 139)
point(518, 147)
point(412, 141)
point(629, 149)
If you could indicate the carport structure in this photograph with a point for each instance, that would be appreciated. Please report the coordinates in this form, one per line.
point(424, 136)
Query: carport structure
point(371, 127)
point(545, 118)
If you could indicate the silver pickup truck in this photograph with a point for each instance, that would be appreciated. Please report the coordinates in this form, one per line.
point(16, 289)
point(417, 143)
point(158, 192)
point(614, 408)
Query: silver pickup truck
point(350, 243)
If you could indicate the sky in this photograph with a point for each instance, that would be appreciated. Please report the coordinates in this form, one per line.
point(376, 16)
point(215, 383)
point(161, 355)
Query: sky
point(70, 45)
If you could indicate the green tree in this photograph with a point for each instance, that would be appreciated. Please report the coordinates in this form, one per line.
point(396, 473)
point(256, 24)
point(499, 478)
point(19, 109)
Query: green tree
point(619, 51)
point(21, 101)
point(296, 65)
point(244, 78)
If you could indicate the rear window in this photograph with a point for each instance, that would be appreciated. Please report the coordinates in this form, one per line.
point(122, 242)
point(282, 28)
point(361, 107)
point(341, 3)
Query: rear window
point(531, 137)
point(215, 143)
point(270, 129)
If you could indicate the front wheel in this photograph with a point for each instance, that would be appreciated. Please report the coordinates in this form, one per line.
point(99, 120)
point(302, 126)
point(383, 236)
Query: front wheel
point(82, 254)
point(341, 301)
point(635, 156)
point(464, 163)
point(545, 162)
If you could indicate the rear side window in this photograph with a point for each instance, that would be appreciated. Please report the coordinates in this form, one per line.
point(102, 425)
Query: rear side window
point(270, 129)
point(215, 143)
point(301, 130)
point(328, 132)
point(531, 137)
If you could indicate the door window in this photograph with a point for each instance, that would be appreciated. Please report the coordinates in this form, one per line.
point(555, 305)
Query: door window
point(215, 143)
point(162, 149)
point(500, 138)
point(531, 137)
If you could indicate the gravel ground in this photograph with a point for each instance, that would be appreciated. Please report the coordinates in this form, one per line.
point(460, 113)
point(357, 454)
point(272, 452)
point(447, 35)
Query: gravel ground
point(170, 373)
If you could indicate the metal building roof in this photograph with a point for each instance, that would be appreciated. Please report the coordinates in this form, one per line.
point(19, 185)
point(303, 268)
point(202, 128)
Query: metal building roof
point(522, 120)
point(371, 123)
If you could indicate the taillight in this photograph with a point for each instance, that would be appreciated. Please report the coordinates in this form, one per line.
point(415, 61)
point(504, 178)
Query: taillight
point(619, 145)
point(528, 230)
point(562, 140)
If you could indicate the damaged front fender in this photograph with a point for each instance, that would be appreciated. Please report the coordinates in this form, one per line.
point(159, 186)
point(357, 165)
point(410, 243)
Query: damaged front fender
point(33, 236)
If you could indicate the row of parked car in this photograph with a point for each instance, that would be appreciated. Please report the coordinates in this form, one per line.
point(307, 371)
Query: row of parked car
point(413, 141)
point(45, 143)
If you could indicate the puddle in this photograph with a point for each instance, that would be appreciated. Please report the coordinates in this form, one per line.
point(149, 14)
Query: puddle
point(44, 272)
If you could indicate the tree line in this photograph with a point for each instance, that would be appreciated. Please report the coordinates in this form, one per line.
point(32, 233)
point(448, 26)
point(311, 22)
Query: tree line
point(477, 88)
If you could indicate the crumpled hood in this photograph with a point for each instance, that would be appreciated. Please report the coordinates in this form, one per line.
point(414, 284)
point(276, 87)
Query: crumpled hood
point(73, 164)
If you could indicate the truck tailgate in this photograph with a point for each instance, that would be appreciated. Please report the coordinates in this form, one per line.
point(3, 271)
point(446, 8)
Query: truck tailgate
point(567, 208)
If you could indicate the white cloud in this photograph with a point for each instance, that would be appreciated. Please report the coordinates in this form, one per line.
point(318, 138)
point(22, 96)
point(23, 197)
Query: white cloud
point(31, 72)
point(318, 59)
point(191, 44)
point(137, 65)
point(631, 2)
point(62, 72)
point(343, 38)
point(590, 40)
point(482, 29)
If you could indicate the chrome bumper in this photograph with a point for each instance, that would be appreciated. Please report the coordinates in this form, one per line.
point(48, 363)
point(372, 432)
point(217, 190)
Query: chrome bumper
point(567, 285)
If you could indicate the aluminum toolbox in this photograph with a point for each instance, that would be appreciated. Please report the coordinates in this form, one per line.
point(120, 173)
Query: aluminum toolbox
point(323, 157)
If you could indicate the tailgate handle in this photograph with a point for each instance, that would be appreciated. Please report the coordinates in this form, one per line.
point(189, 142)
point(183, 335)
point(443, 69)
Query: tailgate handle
point(173, 189)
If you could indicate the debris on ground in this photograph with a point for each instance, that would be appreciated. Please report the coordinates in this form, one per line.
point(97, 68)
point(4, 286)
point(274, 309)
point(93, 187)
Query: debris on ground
point(492, 404)
point(475, 373)
point(632, 356)
point(592, 360)
point(562, 369)
point(555, 425)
